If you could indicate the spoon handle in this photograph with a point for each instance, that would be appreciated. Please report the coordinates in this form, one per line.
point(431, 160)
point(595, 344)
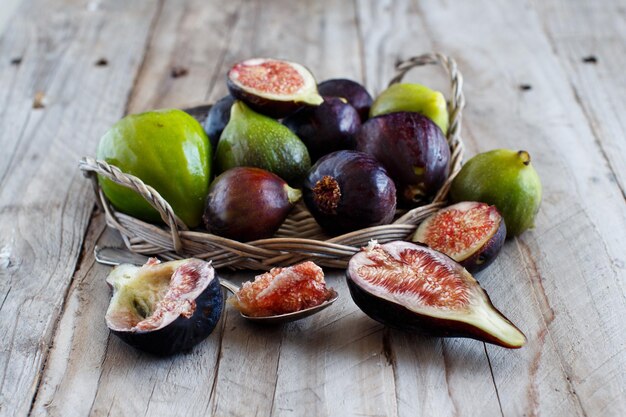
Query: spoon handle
point(108, 255)
point(229, 286)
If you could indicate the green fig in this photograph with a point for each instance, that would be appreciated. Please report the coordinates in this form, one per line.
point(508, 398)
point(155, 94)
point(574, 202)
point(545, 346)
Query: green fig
point(503, 178)
point(166, 149)
point(413, 98)
point(253, 140)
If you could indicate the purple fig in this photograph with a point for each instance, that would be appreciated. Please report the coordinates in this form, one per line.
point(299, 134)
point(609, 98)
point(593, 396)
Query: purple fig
point(247, 204)
point(350, 90)
point(412, 149)
point(217, 119)
point(329, 127)
point(349, 190)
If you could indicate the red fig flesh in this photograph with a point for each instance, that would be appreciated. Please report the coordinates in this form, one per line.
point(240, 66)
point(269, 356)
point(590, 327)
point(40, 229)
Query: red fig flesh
point(412, 287)
point(273, 87)
point(283, 290)
point(471, 233)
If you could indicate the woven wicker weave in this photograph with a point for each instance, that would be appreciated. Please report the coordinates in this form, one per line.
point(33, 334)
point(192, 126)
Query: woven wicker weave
point(299, 238)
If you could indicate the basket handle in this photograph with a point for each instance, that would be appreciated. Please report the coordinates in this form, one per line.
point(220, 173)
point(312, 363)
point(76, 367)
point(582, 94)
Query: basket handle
point(456, 104)
point(91, 167)
point(457, 99)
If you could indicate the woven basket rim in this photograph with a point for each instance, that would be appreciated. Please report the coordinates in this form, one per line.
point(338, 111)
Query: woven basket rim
point(299, 238)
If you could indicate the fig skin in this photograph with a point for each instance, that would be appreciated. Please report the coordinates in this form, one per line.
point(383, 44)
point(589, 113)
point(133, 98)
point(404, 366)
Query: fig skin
point(483, 255)
point(183, 333)
point(254, 140)
point(506, 179)
point(329, 127)
point(395, 315)
point(355, 93)
point(217, 119)
point(412, 149)
point(349, 190)
point(247, 204)
point(274, 105)
point(413, 98)
point(401, 318)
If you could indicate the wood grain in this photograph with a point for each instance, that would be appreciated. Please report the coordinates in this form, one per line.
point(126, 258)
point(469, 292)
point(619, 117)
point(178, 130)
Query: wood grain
point(569, 295)
point(45, 204)
point(588, 38)
point(562, 283)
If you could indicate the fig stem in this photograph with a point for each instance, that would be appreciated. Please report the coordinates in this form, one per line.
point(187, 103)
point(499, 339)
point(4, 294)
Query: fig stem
point(525, 157)
point(293, 194)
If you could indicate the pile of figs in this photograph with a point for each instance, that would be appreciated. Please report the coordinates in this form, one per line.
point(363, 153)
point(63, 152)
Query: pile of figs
point(279, 137)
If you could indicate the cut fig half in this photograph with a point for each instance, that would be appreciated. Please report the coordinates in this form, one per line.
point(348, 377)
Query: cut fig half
point(471, 233)
point(164, 308)
point(273, 87)
point(411, 287)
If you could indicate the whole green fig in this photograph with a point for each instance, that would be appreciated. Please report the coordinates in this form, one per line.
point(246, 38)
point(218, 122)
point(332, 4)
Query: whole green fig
point(168, 150)
point(506, 179)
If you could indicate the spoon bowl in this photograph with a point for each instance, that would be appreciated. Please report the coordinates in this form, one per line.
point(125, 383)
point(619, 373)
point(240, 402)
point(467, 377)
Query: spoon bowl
point(116, 256)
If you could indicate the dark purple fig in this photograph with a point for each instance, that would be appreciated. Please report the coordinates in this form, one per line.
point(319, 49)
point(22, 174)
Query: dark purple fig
point(349, 190)
point(247, 204)
point(352, 91)
point(329, 127)
point(415, 288)
point(273, 87)
point(471, 233)
point(412, 149)
point(200, 113)
point(217, 119)
point(164, 308)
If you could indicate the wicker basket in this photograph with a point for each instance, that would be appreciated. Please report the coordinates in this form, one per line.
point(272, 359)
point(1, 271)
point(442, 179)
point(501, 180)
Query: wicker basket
point(299, 238)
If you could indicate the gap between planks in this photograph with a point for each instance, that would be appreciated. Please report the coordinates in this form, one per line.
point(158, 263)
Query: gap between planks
point(87, 235)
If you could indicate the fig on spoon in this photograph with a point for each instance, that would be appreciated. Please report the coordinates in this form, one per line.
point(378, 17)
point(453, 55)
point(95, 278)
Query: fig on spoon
point(325, 296)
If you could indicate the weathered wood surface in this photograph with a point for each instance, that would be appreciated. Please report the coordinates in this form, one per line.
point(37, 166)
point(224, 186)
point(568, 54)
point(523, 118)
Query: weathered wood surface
point(562, 283)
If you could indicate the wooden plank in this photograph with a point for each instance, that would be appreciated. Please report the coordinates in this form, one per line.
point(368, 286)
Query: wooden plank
point(45, 204)
point(341, 361)
point(560, 282)
point(114, 378)
point(291, 376)
point(589, 39)
point(422, 363)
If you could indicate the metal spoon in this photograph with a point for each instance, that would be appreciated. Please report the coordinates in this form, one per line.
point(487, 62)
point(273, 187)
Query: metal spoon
point(115, 256)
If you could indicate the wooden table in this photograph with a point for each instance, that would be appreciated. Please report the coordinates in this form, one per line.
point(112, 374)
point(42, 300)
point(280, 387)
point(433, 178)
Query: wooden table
point(546, 76)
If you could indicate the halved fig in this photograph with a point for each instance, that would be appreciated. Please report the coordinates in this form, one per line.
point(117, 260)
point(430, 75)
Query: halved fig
point(416, 288)
point(164, 308)
point(283, 290)
point(273, 87)
point(471, 233)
